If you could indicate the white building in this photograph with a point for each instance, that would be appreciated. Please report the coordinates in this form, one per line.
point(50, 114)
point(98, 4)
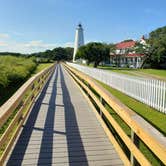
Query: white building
point(79, 40)
point(124, 55)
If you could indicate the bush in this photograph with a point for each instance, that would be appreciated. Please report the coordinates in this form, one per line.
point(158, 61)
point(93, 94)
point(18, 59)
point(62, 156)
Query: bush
point(14, 70)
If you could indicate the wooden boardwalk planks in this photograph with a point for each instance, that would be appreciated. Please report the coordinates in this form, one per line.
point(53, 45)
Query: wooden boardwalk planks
point(62, 130)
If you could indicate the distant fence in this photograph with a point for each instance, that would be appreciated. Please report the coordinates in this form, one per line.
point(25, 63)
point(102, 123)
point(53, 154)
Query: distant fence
point(149, 91)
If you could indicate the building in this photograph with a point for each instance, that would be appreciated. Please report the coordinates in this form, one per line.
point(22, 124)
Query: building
point(125, 56)
point(79, 40)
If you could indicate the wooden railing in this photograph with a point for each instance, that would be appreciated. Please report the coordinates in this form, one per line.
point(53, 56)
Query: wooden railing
point(14, 112)
point(139, 128)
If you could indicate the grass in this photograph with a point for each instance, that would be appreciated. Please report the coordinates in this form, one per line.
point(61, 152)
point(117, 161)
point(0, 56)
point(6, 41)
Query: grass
point(15, 69)
point(156, 73)
point(153, 73)
point(13, 72)
point(42, 66)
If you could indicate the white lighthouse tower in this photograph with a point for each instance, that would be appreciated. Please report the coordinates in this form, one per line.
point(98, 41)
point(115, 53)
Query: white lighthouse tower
point(79, 39)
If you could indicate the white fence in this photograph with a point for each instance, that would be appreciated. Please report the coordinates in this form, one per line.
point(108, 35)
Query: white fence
point(149, 91)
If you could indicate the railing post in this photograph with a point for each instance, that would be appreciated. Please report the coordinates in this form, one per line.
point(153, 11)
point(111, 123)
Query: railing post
point(39, 86)
point(101, 100)
point(88, 88)
point(135, 140)
point(32, 88)
point(42, 77)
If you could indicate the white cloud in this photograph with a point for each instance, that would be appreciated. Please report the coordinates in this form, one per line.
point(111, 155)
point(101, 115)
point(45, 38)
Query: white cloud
point(2, 44)
point(27, 47)
point(69, 44)
point(39, 44)
point(4, 36)
point(7, 44)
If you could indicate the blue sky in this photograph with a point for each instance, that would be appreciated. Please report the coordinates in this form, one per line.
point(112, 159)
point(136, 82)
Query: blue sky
point(35, 25)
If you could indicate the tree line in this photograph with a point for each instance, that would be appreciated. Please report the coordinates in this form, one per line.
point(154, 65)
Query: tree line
point(57, 54)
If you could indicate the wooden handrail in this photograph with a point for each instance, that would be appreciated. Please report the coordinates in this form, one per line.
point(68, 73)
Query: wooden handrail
point(34, 85)
point(146, 132)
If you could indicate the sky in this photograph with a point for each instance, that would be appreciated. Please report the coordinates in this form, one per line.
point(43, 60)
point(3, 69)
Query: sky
point(28, 26)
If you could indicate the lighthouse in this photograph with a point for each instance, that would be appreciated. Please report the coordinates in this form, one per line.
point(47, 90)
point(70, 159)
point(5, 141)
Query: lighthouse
point(79, 40)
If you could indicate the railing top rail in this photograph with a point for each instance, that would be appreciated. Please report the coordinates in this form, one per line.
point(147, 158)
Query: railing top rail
point(7, 108)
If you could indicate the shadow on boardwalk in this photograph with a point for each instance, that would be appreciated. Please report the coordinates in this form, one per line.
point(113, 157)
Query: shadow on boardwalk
point(45, 156)
point(20, 148)
point(70, 123)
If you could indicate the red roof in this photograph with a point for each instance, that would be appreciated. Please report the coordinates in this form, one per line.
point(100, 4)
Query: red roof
point(127, 44)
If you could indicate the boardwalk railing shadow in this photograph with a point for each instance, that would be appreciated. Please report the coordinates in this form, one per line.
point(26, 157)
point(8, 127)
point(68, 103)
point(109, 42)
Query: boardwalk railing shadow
point(46, 158)
point(19, 150)
point(74, 141)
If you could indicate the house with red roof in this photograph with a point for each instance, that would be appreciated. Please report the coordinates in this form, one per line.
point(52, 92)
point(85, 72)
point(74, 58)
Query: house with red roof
point(125, 56)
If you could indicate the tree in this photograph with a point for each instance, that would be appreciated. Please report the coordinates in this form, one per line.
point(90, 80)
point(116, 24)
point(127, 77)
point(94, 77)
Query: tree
point(157, 41)
point(83, 53)
point(69, 53)
point(144, 49)
point(57, 54)
point(93, 52)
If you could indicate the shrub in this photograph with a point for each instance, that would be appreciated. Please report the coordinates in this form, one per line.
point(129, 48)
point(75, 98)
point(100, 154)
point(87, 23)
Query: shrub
point(14, 70)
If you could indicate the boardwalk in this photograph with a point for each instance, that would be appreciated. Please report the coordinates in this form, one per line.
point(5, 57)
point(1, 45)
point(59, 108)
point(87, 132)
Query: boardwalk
point(62, 130)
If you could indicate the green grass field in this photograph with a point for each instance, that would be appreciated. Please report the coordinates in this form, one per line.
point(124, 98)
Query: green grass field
point(156, 73)
point(41, 66)
point(153, 73)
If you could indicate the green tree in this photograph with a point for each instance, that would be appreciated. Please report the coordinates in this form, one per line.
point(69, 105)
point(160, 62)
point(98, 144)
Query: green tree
point(69, 53)
point(93, 52)
point(144, 49)
point(84, 53)
point(157, 40)
point(57, 54)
